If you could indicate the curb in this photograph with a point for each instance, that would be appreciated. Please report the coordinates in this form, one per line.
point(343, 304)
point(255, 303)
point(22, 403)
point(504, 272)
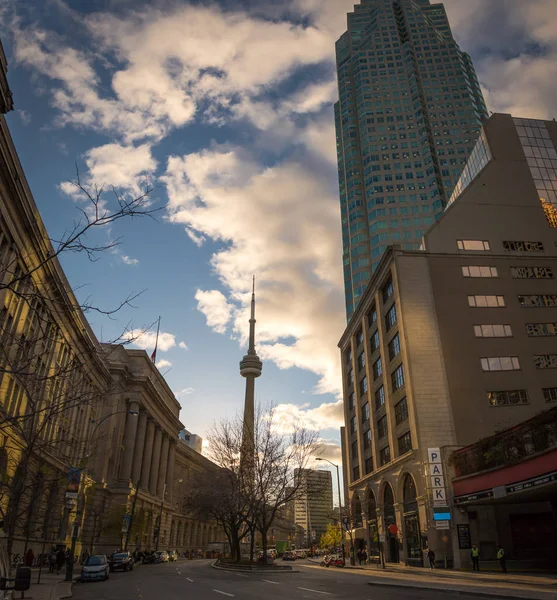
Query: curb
point(62, 589)
point(251, 571)
point(456, 592)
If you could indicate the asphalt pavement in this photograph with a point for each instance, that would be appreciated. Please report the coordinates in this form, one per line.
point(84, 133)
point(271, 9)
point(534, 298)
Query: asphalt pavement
point(197, 579)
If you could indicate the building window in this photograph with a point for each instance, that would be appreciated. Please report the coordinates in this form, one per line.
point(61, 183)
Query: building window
point(546, 361)
point(388, 290)
point(377, 368)
point(394, 347)
point(355, 449)
point(351, 377)
point(508, 398)
point(365, 412)
point(355, 473)
point(363, 386)
point(520, 246)
point(351, 401)
point(359, 337)
point(550, 394)
point(538, 301)
point(369, 465)
point(493, 331)
point(361, 361)
point(532, 273)
point(541, 329)
point(481, 245)
point(404, 443)
point(348, 357)
point(380, 397)
point(374, 341)
point(353, 425)
point(397, 378)
point(385, 455)
point(372, 316)
point(382, 428)
point(486, 301)
point(390, 317)
point(367, 439)
point(401, 411)
point(480, 272)
point(500, 363)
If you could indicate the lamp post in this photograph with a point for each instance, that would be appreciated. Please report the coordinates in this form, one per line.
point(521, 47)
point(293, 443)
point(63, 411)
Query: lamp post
point(339, 506)
point(160, 519)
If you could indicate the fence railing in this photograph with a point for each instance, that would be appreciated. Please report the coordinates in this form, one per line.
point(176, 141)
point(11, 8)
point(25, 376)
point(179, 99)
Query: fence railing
point(510, 446)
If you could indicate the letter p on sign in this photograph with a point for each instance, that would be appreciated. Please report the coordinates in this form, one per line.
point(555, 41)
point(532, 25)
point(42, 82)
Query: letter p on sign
point(434, 456)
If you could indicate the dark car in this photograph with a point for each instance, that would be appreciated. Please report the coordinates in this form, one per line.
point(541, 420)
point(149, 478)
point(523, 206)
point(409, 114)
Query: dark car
point(121, 560)
point(289, 556)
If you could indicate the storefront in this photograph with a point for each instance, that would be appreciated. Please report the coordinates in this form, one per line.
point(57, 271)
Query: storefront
point(392, 554)
point(412, 534)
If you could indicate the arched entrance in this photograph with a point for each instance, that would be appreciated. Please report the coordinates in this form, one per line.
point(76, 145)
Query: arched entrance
point(391, 543)
point(412, 535)
point(372, 527)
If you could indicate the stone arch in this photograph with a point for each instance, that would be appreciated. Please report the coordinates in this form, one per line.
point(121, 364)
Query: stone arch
point(389, 524)
point(372, 523)
point(411, 527)
point(356, 510)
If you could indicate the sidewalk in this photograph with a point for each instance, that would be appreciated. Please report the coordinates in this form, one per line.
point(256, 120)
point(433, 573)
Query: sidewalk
point(52, 587)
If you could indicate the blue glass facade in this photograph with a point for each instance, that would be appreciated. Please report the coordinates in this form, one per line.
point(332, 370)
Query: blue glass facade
point(409, 113)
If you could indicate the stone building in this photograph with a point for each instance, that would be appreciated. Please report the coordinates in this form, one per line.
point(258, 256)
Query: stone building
point(452, 343)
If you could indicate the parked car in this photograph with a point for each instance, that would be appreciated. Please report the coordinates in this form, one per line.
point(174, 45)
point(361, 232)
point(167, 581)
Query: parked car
point(121, 560)
point(172, 555)
point(289, 556)
point(148, 559)
point(161, 556)
point(95, 568)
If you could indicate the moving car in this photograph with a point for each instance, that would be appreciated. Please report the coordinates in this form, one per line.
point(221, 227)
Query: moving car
point(95, 568)
point(289, 556)
point(172, 555)
point(121, 560)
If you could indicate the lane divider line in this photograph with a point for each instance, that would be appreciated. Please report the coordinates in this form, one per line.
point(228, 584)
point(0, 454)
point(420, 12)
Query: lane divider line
point(190, 580)
point(315, 591)
point(242, 575)
point(224, 593)
point(267, 581)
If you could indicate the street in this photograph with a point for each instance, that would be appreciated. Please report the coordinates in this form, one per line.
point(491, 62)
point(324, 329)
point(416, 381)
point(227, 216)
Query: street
point(196, 579)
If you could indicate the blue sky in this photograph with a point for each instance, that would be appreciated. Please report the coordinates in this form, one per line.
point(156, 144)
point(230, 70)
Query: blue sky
point(226, 108)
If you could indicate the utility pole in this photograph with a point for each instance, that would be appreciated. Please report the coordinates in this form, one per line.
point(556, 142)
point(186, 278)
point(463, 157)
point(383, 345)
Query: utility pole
point(133, 514)
point(160, 519)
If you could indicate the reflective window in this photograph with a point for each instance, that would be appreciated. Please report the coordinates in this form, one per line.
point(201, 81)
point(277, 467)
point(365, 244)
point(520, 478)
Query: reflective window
point(391, 317)
point(479, 272)
point(363, 386)
point(354, 449)
point(351, 401)
point(382, 428)
point(380, 397)
point(388, 290)
point(355, 473)
point(397, 378)
point(367, 439)
point(541, 329)
point(500, 363)
point(361, 361)
point(377, 368)
point(486, 301)
point(353, 425)
point(404, 443)
point(546, 361)
point(385, 455)
point(394, 347)
point(550, 394)
point(532, 273)
point(369, 465)
point(538, 301)
point(401, 411)
point(480, 245)
point(372, 316)
point(508, 397)
point(493, 331)
point(522, 246)
point(365, 412)
point(374, 341)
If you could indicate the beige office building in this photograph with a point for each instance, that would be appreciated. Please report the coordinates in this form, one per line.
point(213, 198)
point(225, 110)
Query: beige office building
point(453, 342)
point(313, 505)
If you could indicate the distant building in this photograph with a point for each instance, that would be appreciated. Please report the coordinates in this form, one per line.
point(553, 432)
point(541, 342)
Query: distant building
point(313, 506)
point(452, 343)
point(192, 440)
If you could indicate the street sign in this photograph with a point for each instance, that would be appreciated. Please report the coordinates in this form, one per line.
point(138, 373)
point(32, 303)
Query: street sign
point(442, 513)
point(434, 456)
point(442, 524)
point(464, 538)
point(126, 523)
point(381, 537)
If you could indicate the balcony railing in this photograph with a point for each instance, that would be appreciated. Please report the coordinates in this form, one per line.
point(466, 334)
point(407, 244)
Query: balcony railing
point(510, 446)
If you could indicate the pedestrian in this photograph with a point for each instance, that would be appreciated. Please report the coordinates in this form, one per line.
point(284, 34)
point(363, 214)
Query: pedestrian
point(60, 560)
point(29, 557)
point(475, 554)
point(431, 557)
point(52, 560)
point(364, 556)
point(359, 554)
point(502, 558)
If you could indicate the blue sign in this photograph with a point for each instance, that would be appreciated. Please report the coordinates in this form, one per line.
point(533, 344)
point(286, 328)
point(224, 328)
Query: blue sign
point(441, 516)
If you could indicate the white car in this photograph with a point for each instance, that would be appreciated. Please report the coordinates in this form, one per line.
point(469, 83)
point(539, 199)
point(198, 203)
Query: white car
point(95, 568)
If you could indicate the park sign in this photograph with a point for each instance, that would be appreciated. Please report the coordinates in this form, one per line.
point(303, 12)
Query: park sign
point(436, 476)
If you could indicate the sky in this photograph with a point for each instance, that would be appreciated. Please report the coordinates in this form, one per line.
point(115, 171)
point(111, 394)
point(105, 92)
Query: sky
point(225, 109)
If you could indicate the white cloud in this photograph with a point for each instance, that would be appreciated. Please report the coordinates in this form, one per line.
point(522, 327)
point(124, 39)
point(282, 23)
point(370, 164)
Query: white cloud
point(25, 116)
point(186, 391)
point(128, 260)
point(214, 306)
point(161, 364)
point(196, 238)
point(330, 450)
point(183, 345)
point(329, 415)
point(146, 340)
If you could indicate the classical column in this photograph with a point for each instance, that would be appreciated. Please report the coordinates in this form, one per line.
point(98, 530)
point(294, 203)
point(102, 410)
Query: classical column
point(129, 441)
point(154, 476)
point(139, 447)
point(147, 453)
point(163, 466)
point(170, 470)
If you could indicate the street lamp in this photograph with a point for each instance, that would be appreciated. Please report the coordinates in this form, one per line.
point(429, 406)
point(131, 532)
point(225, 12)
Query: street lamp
point(339, 505)
point(134, 413)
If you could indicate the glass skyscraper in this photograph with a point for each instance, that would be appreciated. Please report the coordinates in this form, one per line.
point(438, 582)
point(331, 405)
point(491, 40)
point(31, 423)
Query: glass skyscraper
point(409, 113)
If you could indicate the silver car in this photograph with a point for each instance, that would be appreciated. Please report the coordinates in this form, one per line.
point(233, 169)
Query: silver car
point(95, 568)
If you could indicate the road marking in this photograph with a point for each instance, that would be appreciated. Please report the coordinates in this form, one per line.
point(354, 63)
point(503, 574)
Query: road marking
point(190, 580)
point(179, 572)
point(241, 575)
point(315, 591)
point(267, 581)
point(223, 593)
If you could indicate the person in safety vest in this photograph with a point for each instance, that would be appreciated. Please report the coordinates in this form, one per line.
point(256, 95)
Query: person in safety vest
point(475, 554)
point(502, 558)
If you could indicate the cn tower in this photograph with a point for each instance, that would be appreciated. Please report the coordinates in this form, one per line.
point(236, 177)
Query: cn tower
point(250, 368)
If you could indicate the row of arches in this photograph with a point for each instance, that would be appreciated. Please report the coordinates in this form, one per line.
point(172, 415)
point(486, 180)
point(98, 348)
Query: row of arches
point(411, 531)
